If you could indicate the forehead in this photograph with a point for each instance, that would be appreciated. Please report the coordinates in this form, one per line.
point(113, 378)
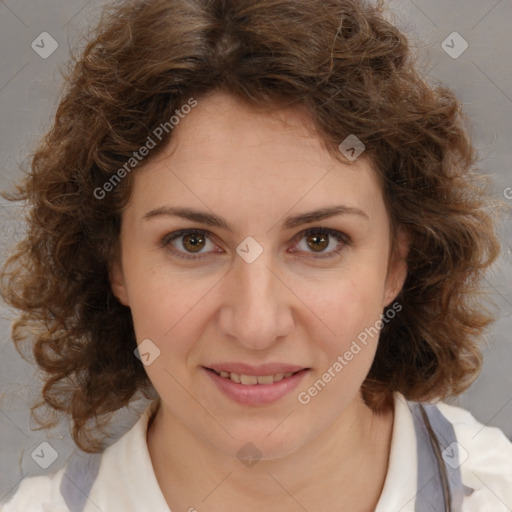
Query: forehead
point(225, 151)
point(223, 128)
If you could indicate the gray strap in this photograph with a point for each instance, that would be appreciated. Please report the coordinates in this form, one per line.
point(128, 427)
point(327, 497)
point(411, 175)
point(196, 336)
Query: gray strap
point(82, 469)
point(81, 472)
point(430, 496)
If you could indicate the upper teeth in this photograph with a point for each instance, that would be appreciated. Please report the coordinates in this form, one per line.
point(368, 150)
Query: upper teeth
point(253, 379)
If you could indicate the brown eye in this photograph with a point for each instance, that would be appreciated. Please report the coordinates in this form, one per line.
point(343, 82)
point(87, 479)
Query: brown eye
point(318, 242)
point(193, 242)
point(324, 242)
point(189, 244)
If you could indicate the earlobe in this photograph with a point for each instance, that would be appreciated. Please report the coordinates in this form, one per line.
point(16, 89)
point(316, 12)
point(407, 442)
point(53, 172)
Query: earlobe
point(117, 283)
point(397, 273)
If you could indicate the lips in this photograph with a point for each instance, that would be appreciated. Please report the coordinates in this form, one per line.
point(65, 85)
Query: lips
point(255, 370)
point(248, 380)
point(256, 385)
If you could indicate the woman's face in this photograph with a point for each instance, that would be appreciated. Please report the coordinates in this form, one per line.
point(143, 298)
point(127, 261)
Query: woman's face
point(265, 283)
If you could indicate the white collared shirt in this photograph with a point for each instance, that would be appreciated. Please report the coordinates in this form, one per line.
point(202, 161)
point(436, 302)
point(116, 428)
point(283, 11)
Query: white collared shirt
point(122, 478)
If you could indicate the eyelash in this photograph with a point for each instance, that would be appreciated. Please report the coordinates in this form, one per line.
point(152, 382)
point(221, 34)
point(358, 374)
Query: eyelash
point(344, 240)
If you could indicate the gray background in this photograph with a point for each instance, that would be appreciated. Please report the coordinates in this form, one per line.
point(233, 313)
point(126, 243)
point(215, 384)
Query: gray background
point(29, 85)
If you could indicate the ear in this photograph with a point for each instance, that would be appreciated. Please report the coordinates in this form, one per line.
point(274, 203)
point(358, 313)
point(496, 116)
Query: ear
point(397, 269)
point(117, 281)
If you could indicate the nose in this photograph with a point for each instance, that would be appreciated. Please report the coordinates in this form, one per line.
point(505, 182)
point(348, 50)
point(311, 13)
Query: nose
point(256, 311)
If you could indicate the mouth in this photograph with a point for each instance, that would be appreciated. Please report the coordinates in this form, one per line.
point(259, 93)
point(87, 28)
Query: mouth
point(257, 387)
point(251, 380)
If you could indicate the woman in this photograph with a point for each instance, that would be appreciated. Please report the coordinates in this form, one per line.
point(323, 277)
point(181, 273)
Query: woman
point(258, 214)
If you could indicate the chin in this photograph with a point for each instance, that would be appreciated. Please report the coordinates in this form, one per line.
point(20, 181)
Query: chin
point(267, 443)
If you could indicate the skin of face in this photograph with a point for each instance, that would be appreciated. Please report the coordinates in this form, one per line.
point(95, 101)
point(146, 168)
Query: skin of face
point(290, 305)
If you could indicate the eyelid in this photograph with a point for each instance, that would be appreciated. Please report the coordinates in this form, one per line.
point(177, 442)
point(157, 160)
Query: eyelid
point(340, 236)
point(175, 235)
point(344, 239)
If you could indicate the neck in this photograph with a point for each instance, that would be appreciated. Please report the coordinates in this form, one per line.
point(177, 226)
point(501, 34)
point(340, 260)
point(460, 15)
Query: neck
point(345, 465)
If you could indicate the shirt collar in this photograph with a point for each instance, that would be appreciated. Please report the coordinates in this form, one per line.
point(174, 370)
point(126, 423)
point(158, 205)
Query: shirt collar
point(399, 489)
point(129, 459)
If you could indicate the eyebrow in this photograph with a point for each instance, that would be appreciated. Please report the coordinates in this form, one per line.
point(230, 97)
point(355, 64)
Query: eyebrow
point(211, 219)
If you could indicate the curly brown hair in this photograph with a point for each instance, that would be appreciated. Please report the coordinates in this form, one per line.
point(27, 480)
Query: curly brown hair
point(355, 73)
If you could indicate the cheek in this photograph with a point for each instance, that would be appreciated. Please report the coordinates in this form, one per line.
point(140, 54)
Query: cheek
point(353, 314)
point(159, 301)
point(349, 309)
point(165, 310)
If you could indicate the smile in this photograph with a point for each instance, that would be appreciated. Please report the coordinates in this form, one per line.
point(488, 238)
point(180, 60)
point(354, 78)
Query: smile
point(255, 390)
point(248, 380)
